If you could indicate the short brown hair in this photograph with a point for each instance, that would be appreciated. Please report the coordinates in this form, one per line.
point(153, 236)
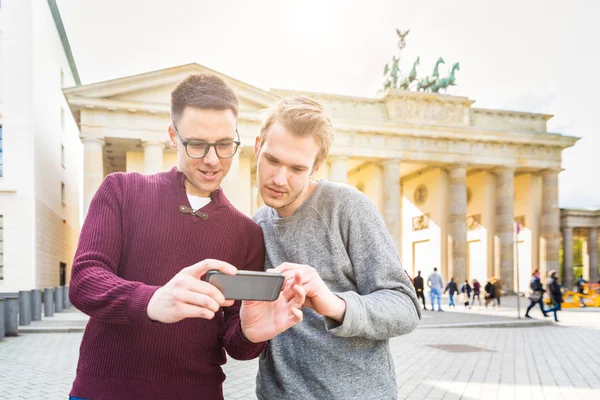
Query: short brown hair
point(202, 91)
point(302, 117)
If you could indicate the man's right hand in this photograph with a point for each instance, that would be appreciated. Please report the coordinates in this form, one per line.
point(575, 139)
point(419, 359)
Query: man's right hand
point(186, 296)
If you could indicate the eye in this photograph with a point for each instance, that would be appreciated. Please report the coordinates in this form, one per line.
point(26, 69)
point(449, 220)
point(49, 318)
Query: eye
point(197, 145)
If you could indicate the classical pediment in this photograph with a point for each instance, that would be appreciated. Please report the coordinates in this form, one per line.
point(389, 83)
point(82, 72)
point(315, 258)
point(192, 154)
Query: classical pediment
point(151, 91)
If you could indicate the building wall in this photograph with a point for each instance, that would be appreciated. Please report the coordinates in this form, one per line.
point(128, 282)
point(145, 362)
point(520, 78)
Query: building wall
point(17, 203)
point(369, 180)
point(135, 161)
point(436, 181)
point(57, 210)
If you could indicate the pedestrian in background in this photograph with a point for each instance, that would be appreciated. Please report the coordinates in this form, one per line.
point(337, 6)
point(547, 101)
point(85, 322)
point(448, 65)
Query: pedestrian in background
point(420, 288)
point(555, 292)
point(476, 292)
point(435, 283)
point(537, 294)
point(465, 290)
point(452, 289)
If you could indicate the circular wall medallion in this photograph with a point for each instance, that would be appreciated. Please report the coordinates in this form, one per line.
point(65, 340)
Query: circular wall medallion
point(420, 195)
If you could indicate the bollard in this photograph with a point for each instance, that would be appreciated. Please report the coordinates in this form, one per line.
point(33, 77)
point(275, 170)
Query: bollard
point(2, 327)
point(11, 314)
point(66, 301)
point(24, 307)
point(58, 299)
point(48, 302)
point(36, 305)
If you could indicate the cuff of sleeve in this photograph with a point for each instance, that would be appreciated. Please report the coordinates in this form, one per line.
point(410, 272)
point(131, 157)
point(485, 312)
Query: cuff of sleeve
point(351, 317)
point(137, 303)
point(246, 349)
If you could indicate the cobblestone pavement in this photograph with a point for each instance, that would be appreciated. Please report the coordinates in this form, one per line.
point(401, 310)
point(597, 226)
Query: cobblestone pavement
point(560, 361)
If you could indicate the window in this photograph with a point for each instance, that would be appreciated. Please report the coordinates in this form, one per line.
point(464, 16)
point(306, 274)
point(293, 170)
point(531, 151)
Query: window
point(62, 155)
point(62, 193)
point(1, 247)
point(1, 159)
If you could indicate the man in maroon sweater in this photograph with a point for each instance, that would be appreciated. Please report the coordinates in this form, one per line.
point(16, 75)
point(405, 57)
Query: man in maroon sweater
point(157, 331)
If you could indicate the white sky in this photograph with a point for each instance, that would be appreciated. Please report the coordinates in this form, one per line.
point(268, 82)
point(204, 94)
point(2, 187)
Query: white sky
point(527, 55)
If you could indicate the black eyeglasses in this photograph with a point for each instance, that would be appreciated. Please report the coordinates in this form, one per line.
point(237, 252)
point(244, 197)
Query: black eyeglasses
point(199, 148)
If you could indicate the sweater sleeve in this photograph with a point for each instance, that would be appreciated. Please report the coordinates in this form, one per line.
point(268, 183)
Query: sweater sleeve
point(95, 288)
point(234, 341)
point(386, 304)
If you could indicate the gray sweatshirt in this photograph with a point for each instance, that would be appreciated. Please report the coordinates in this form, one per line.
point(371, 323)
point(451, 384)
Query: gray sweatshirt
point(435, 281)
point(340, 233)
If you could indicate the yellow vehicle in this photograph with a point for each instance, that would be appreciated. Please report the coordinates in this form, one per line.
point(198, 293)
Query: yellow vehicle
point(589, 298)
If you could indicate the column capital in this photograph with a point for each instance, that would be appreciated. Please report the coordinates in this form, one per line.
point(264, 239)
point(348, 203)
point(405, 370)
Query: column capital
point(92, 139)
point(550, 171)
point(390, 161)
point(153, 143)
point(333, 158)
point(503, 170)
point(457, 166)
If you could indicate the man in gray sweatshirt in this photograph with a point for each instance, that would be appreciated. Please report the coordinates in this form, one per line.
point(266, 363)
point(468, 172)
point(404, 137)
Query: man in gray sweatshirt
point(357, 293)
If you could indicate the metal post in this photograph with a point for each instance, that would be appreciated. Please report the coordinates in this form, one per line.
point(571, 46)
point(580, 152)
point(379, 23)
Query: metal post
point(48, 302)
point(11, 315)
point(2, 327)
point(58, 299)
point(517, 267)
point(66, 301)
point(36, 305)
point(24, 307)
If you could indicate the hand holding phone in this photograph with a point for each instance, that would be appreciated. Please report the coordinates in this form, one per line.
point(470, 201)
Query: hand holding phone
point(247, 285)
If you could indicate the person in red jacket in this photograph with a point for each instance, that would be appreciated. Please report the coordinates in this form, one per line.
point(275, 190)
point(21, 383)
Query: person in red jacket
point(156, 329)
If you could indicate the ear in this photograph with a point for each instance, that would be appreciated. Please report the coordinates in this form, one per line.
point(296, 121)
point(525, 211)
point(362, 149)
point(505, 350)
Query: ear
point(256, 146)
point(172, 138)
point(316, 168)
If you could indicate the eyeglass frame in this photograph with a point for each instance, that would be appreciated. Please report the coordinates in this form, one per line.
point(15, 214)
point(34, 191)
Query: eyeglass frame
point(209, 145)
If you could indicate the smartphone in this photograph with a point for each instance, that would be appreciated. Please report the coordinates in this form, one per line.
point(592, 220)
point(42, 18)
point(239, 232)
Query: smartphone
point(247, 285)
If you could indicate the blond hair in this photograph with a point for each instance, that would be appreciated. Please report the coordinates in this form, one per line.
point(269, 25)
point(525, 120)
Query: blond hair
point(302, 117)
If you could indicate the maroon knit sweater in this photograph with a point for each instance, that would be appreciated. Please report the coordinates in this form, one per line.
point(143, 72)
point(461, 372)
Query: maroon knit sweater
point(134, 240)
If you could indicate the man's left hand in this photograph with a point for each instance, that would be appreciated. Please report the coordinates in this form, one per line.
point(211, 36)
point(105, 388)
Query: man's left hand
point(318, 295)
point(263, 320)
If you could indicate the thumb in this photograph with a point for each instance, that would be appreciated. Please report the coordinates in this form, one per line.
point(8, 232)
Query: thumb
point(201, 268)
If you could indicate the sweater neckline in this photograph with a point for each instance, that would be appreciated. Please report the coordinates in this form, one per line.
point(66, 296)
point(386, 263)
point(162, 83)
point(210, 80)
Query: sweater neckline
point(304, 207)
point(177, 179)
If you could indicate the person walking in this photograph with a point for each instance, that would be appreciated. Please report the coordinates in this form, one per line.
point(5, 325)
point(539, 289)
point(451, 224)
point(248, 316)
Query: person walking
point(537, 294)
point(452, 289)
point(435, 283)
point(476, 292)
point(497, 289)
point(420, 288)
point(466, 289)
point(555, 292)
point(490, 294)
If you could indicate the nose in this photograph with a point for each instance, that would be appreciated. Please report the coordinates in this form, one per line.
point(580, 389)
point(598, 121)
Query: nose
point(211, 157)
point(280, 177)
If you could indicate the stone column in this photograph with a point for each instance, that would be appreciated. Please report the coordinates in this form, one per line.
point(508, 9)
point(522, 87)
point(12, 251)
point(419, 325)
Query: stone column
point(338, 169)
point(593, 254)
point(550, 227)
point(505, 191)
point(392, 202)
point(457, 221)
point(93, 168)
point(567, 234)
point(153, 156)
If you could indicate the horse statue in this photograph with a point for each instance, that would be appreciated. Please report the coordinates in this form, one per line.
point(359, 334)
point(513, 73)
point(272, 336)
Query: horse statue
point(412, 76)
point(444, 83)
point(430, 81)
point(391, 75)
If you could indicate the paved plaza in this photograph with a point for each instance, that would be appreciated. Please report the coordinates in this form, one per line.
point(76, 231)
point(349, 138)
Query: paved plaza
point(458, 354)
